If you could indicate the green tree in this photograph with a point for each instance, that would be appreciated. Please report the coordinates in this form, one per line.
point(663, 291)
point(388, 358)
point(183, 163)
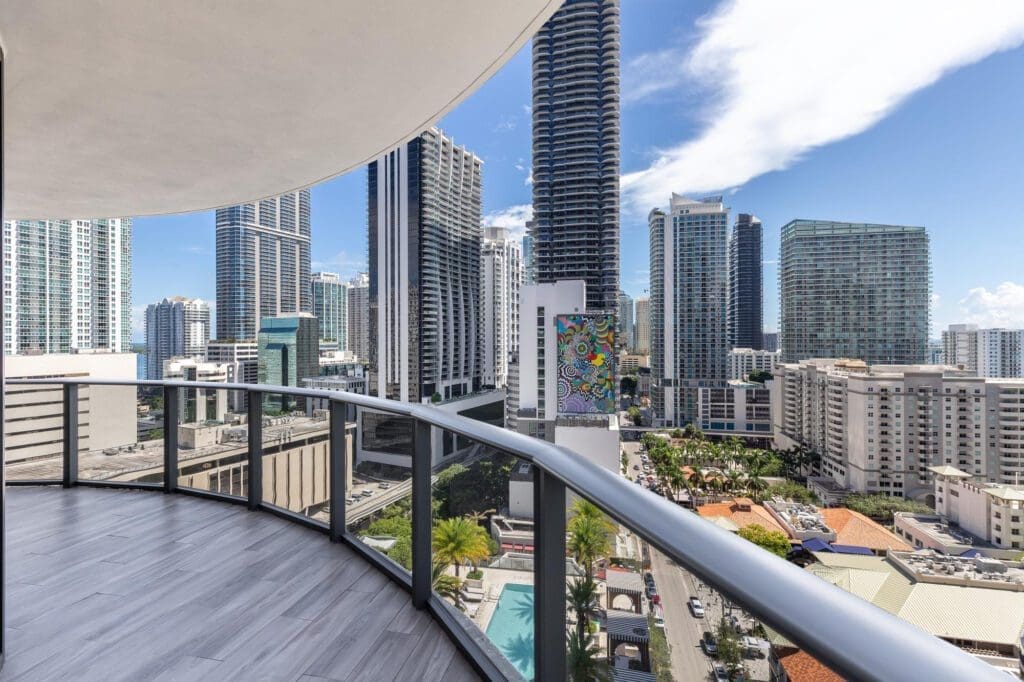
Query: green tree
point(759, 376)
point(589, 540)
point(581, 596)
point(459, 540)
point(634, 415)
point(693, 431)
point(774, 541)
point(154, 434)
point(730, 651)
point(586, 661)
point(447, 586)
point(790, 490)
point(882, 507)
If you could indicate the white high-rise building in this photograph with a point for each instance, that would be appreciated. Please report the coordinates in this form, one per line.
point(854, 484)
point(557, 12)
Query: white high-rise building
point(358, 339)
point(67, 285)
point(988, 352)
point(175, 327)
point(626, 331)
point(329, 296)
point(241, 360)
point(879, 428)
point(689, 295)
point(501, 271)
point(642, 326)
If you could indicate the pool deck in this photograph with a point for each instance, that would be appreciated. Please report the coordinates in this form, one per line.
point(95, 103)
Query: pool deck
point(494, 582)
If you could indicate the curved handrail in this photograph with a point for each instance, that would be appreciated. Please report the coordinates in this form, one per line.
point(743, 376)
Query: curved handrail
point(852, 636)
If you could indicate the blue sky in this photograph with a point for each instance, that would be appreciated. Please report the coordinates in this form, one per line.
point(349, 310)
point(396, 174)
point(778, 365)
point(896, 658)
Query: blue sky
point(789, 111)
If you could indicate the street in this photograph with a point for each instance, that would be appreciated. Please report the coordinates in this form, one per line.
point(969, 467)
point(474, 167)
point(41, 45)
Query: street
point(682, 630)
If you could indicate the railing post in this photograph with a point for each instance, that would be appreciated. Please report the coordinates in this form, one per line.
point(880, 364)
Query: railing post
point(70, 474)
point(255, 449)
point(549, 642)
point(170, 439)
point(421, 526)
point(338, 461)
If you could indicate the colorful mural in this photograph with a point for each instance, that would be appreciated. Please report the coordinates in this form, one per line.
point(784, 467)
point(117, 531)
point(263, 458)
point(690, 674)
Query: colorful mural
point(586, 364)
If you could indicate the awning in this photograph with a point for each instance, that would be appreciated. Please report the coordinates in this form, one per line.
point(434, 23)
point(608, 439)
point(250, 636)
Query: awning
point(817, 545)
point(626, 626)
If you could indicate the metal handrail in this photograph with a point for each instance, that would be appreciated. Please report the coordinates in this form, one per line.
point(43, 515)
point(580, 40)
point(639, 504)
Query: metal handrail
point(852, 636)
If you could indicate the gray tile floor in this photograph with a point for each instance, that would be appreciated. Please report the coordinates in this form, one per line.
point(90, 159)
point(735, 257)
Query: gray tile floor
point(125, 585)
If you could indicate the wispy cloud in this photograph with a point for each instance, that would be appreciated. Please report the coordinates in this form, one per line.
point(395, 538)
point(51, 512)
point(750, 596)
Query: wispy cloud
point(787, 76)
point(652, 73)
point(193, 248)
point(512, 217)
point(529, 178)
point(1001, 307)
point(345, 263)
point(506, 123)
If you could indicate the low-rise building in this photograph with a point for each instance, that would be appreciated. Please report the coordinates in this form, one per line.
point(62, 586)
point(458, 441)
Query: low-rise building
point(742, 512)
point(968, 510)
point(197, 405)
point(743, 361)
point(630, 363)
point(739, 409)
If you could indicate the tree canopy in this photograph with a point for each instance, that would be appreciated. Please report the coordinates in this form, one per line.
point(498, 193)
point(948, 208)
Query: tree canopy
point(774, 541)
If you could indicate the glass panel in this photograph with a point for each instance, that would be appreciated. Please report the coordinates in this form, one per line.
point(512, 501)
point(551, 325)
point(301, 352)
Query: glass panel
point(213, 440)
point(120, 431)
point(378, 501)
point(296, 455)
point(483, 546)
point(34, 432)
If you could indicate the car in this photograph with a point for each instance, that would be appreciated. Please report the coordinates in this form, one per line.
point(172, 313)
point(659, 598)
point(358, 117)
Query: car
point(659, 618)
point(648, 577)
point(708, 644)
point(696, 608)
point(367, 493)
point(638, 482)
point(348, 501)
point(652, 591)
point(636, 467)
point(384, 485)
point(656, 598)
point(719, 674)
point(352, 499)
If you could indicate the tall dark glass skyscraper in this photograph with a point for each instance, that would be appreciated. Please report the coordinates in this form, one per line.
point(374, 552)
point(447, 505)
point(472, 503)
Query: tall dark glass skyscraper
point(576, 149)
point(745, 284)
point(262, 263)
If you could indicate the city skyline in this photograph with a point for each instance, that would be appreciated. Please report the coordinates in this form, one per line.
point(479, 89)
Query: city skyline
point(849, 180)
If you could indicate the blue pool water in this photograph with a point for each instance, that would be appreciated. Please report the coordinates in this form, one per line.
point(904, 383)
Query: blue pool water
point(511, 627)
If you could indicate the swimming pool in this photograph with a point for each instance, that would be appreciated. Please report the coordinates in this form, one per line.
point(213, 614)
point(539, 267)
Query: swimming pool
point(511, 627)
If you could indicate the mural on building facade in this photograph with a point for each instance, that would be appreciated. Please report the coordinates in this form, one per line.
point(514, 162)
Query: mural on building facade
point(586, 364)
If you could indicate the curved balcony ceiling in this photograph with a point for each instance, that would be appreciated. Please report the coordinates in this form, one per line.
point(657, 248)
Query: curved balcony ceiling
point(120, 108)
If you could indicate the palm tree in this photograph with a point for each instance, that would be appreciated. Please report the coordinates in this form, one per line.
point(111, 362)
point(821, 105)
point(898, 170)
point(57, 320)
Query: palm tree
point(445, 585)
point(734, 480)
point(459, 540)
point(756, 485)
point(585, 661)
point(589, 540)
point(582, 597)
point(696, 477)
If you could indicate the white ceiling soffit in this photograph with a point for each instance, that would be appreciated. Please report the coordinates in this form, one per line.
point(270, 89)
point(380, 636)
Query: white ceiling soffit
point(139, 107)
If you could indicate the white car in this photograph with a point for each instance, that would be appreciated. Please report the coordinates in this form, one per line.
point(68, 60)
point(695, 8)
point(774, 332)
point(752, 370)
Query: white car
point(719, 673)
point(696, 608)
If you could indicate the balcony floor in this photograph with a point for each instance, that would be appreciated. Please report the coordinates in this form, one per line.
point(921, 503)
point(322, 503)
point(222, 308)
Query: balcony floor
point(117, 584)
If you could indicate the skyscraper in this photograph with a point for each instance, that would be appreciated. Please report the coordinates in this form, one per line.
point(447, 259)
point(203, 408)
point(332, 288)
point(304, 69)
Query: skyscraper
point(626, 331)
point(850, 290)
point(529, 259)
point(502, 277)
point(262, 263)
point(289, 351)
point(689, 290)
point(642, 325)
point(358, 340)
point(175, 327)
point(67, 285)
point(995, 353)
point(745, 284)
point(424, 247)
point(576, 149)
point(329, 296)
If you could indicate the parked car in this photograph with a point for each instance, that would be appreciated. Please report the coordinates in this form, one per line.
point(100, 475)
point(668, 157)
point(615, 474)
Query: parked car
point(659, 617)
point(636, 467)
point(648, 577)
point(719, 674)
point(696, 608)
point(651, 590)
point(708, 644)
point(656, 599)
point(753, 647)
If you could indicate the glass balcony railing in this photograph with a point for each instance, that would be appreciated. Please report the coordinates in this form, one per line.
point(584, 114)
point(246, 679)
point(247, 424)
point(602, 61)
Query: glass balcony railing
point(536, 561)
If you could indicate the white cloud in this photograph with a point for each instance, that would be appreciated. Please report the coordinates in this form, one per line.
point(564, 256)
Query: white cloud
point(1002, 307)
point(651, 73)
point(138, 321)
point(512, 217)
point(505, 124)
point(529, 178)
point(787, 76)
point(344, 263)
point(528, 109)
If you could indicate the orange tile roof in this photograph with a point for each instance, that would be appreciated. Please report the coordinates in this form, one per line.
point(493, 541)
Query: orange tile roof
point(853, 528)
point(742, 518)
point(802, 667)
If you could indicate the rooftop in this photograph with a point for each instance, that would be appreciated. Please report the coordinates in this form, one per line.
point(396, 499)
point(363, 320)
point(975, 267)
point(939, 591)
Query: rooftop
point(741, 512)
point(853, 528)
point(802, 667)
